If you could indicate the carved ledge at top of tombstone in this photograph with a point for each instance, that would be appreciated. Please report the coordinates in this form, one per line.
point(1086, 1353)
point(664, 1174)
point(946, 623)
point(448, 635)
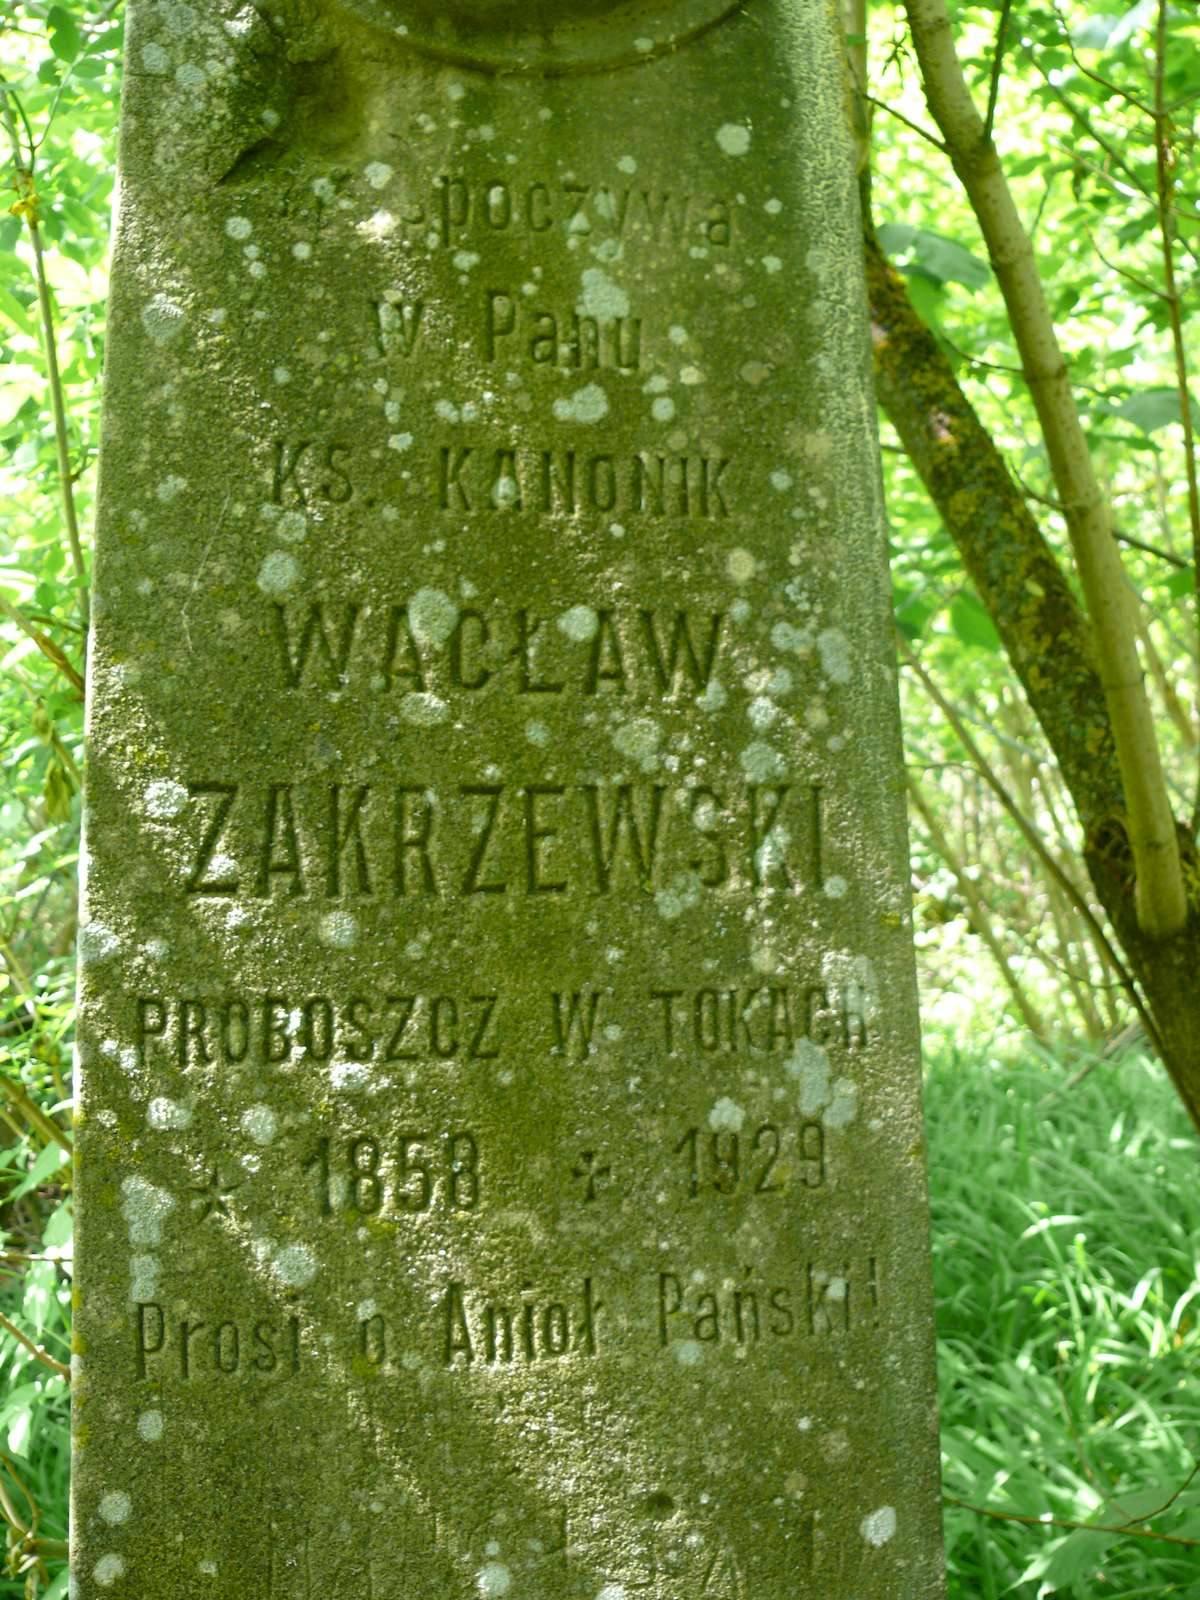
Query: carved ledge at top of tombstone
point(543, 37)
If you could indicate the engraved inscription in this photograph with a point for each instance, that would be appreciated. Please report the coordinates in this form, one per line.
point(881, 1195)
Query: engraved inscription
point(405, 1175)
point(169, 1343)
point(661, 654)
point(481, 1328)
point(766, 1160)
point(762, 1019)
point(268, 1029)
point(818, 1302)
point(396, 840)
point(575, 341)
point(501, 479)
point(451, 210)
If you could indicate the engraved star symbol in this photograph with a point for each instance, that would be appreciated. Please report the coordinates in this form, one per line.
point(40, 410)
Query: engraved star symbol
point(587, 1168)
point(212, 1195)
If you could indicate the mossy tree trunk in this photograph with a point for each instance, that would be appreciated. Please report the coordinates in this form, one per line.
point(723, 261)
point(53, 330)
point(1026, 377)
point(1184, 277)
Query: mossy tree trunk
point(1049, 642)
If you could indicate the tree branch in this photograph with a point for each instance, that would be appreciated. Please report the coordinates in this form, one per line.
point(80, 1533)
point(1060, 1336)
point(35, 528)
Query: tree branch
point(1161, 894)
point(27, 208)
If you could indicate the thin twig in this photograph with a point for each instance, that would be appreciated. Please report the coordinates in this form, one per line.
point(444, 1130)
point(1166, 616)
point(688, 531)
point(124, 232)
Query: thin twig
point(1153, 550)
point(997, 69)
point(34, 1114)
point(47, 646)
point(34, 1349)
point(1077, 1527)
point(1113, 88)
point(1165, 189)
point(1031, 834)
point(915, 127)
point(26, 207)
point(1134, 278)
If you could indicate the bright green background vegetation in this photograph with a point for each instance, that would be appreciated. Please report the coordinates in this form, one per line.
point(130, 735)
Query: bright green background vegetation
point(1063, 1167)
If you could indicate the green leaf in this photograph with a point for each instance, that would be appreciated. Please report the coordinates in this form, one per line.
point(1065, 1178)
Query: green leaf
point(951, 262)
point(64, 35)
point(895, 238)
point(53, 1156)
point(1065, 1561)
point(945, 260)
point(972, 624)
point(1181, 583)
point(1152, 409)
point(926, 295)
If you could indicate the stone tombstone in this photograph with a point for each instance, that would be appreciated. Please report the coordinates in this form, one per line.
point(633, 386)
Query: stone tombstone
point(500, 1144)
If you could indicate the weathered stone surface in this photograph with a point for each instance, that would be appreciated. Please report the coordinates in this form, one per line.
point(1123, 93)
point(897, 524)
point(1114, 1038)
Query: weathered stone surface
point(501, 1156)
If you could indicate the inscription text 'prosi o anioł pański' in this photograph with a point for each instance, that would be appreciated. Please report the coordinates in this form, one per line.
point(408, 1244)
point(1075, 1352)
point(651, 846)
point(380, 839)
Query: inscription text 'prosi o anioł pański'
point(500, 1149)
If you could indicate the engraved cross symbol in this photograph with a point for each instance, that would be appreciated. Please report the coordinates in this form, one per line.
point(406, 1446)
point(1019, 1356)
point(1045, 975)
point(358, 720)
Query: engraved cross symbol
point(212, 1196)
point(587, 1168)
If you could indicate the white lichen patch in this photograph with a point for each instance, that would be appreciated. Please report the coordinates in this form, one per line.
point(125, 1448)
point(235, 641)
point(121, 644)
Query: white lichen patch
point(879, 1526)
point(761, 762)
point(493, 1579)
point(537, 733)
point(295, 1265)
point(689, 1352)
point(155, 59)
point(116, 1506)
point(786, 636)
point(378, 174)
point(782, 481)
point(772, 264)
point(145, 1208)
point(734, 138)
point(809, 1065)
point(589, 404)
point(835, 1100)
point(432, 616)
point(291, 526)
point(338, 930)
point(579, 623)
point(843, 1107)
point(163, 319)
point(167, 1115)
point(613, 1591)
point(170, 488)
point(97, 943)
point(740, 565)
point(239, 227)
point(662, 409)
point(681, 895)
point(164, 798)
point(726, 1116)
point(602, 297)
point(762, 712)
point(464, 260)
point(424, 709)
point(150, 1426)
point(639, 739)
point(835, 887)
point(260, 1123)
point(143, 1279)
point(279, 573)
point(834, 648)
point(715, 696)
point(108, 1569)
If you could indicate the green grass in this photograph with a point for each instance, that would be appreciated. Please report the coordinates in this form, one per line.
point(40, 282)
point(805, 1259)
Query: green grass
point(1066, 1234)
